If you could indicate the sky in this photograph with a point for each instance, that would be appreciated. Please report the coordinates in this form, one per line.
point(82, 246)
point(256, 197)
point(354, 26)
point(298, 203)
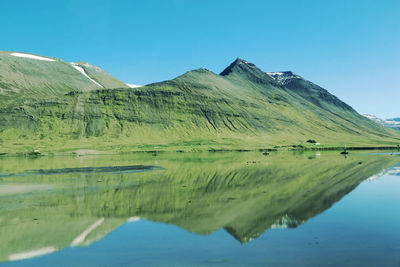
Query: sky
point(351, 48)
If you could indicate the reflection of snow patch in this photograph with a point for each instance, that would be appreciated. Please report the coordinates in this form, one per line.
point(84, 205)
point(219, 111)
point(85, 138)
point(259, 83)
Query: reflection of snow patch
point(286, 221)
point(80, 238)
point(31, 56)
point(395, 171)
point(81, 70)
point(133, 85)
point(133, 219)
point(31, 254)
point(10, 189)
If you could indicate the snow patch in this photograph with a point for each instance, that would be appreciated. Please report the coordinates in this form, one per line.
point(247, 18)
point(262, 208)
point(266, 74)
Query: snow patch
point(133, 85)
point(31, 254)
point(80, 238)
point(31, 56)
point(133, 219)
point(392, 122)
point(81, 70)
point(286, 221)
point(274, 73)
point(283, 77)
point(87, 65)
point(369, 116)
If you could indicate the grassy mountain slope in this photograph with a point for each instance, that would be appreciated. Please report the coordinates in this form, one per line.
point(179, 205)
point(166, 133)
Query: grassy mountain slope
point(23, 78)
point(323, 99)
point(243, 107)
point(101, 76)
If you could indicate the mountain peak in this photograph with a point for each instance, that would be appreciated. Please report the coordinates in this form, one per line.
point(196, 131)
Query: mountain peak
point(242, 61)
point(243, 69)
point(238, 65)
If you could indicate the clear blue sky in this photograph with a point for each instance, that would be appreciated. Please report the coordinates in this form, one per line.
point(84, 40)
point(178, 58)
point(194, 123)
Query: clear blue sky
point(352, 48)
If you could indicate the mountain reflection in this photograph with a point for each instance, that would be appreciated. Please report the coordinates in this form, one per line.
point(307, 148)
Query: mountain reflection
point(243, 193)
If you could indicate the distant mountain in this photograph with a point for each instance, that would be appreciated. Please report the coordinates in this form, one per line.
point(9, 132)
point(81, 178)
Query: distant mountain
point(393, 123)
point(24, 76)
point(390, 123)
point(50, 103)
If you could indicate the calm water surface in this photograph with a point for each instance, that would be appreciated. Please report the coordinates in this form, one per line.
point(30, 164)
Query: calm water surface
point(205, 209)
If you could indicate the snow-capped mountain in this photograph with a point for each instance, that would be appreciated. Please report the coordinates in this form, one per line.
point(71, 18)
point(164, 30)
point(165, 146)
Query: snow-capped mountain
point(391, 123)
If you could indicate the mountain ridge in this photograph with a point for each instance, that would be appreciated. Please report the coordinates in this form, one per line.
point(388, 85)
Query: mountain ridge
point(242, 107)
point(30, 76)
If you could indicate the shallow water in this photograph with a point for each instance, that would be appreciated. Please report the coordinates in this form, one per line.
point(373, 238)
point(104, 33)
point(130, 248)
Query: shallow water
point(205, 209)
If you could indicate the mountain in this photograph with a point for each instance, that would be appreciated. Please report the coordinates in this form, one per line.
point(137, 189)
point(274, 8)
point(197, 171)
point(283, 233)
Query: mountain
point(394, 123)
point(24, 76)
point(319, 96)
point(99, 76)
point(310, 91)
point(241, 108)
point(390, 123)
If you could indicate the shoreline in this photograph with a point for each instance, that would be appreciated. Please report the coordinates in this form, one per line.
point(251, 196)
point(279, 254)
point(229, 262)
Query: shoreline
point(91, 152)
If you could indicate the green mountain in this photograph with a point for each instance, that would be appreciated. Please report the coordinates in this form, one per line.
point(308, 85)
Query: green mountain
point(99, 75)
point(310, 91)
point(24, 76)
point(242, 108)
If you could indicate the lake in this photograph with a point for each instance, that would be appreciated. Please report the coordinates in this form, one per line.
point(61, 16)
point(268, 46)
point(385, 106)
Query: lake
point(201, 209)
